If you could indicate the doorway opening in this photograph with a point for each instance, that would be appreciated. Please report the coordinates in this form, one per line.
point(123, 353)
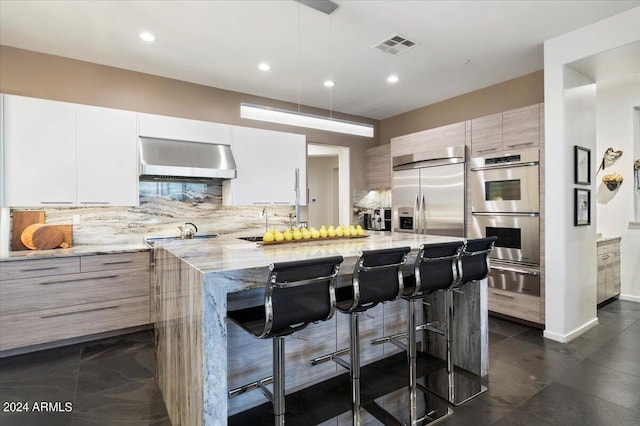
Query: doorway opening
point(329, 186)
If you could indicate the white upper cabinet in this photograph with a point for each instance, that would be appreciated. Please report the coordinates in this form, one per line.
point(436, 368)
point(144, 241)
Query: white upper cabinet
point(40, 150)
point(64, 154)
point(266, 162)
point(162, 127)
point(107, 166)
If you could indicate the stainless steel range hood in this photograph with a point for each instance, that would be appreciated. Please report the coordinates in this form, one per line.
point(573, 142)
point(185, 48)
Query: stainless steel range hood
point(165, 159)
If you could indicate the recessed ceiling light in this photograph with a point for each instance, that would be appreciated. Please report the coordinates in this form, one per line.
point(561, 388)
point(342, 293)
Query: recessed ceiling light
point(393, 78)
point(264, 67)
point(147, 36)
point(467, 61)
point(329, 83)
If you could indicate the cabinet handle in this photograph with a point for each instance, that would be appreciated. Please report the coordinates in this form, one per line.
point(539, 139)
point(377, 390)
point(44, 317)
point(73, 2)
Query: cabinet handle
point(487, 150)
point(261, 202)
point(95, 202)
point(117, 262)
point(520, 144)
point(39, 269)
point(284, 203)
point(56, 202)
point(516, 270)
point(78, 279)
point(79, 312)
point(504, 296)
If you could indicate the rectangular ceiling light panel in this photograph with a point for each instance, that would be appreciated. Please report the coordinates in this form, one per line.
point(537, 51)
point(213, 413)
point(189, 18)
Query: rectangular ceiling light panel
point(274, 115)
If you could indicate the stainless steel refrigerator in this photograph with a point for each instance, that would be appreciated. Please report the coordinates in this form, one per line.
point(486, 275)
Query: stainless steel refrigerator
point(428, 192)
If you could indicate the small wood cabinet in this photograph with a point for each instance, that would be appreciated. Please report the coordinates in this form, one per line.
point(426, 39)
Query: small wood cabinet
point(505, 131)
point(608, 269)
point(379, 167)
point(47, 300)
point(486, 135)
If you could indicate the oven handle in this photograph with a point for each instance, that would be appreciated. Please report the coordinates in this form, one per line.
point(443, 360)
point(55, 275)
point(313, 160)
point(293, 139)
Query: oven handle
point(516, 270)
point(530, 214)
point(505, 166)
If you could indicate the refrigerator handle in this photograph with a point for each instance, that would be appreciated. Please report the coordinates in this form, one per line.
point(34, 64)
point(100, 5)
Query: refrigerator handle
point(416, 215)
point(423, 216)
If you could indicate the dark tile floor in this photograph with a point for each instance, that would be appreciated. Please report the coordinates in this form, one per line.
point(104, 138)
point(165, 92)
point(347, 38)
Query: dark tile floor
point(593, 380)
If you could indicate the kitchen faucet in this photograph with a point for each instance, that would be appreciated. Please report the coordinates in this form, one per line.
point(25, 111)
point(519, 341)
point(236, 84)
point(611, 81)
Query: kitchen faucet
point(265, 213)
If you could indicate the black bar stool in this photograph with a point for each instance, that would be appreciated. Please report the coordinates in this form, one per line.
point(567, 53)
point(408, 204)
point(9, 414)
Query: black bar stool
point(296, 294)
point(473, 266)
point(437, 267)
point(377, 278)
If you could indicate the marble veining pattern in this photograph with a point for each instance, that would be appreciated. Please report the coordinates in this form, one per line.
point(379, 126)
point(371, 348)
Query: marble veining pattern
point(162, 207)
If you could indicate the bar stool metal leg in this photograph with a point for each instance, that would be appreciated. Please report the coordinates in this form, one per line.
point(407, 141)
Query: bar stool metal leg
point(278, 380)
point(413, 368)
point(354, 334)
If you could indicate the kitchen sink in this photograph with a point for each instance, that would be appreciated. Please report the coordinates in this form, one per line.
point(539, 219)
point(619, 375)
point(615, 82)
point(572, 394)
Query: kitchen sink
point(252, 239)
point(150, 241)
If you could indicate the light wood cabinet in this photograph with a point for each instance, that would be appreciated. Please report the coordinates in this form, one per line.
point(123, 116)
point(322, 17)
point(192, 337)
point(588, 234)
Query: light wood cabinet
point(608, 269)
point(64, 154)
point(486, 135)
point(267, 162)
point(439, 137)
point(46, 300)
point(517, 305)
point(378, 165)
point(506, 131)
point(521, 128)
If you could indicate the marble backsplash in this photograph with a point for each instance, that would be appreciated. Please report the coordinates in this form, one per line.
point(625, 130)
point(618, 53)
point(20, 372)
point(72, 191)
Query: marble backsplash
point(364, 201)
point(165, 205)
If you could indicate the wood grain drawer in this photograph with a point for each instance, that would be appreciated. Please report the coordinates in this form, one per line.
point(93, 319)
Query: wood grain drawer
point(17, 269)
point(103, 262)
point(516, 305)
point(31, 328)
point(57, 291)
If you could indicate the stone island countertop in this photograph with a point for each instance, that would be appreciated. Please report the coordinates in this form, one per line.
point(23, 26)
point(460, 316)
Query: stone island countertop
point(200, 354)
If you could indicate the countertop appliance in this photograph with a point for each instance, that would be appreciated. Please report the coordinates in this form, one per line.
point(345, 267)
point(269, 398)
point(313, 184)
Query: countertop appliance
point(428, 192)
point(165, 159)
point(505, 194)
point(378, 219)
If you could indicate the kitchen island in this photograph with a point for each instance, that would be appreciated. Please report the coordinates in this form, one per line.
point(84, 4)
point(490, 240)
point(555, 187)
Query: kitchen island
point(197, 282)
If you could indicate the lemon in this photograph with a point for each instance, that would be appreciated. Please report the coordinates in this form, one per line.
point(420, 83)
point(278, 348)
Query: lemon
point(268, 237)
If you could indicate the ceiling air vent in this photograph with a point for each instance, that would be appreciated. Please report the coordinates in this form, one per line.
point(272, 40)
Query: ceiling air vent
point(395, 45)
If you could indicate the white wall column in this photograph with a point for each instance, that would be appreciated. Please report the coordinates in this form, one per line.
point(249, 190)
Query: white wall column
point(570, 287)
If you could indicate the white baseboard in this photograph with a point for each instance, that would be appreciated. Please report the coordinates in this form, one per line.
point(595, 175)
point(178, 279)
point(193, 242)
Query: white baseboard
point(565, 338)
point(630, 298)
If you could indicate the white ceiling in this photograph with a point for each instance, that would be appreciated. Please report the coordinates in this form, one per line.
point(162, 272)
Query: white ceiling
point(220, 43)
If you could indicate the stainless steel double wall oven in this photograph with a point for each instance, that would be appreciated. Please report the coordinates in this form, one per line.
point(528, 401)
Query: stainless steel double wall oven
point(505, 202)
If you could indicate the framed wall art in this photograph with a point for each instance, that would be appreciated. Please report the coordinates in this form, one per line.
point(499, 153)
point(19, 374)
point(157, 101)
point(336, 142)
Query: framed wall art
point(582, 207)
point(582, 165)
